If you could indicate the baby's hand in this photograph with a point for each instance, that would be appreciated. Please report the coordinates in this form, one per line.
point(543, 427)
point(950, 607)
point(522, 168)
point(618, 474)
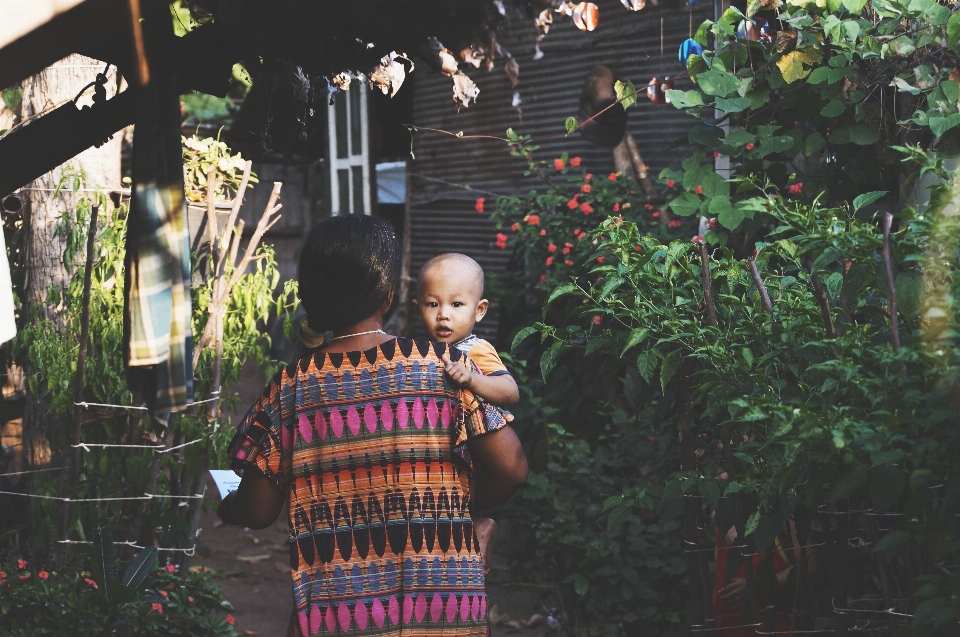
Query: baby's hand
point(458, 372)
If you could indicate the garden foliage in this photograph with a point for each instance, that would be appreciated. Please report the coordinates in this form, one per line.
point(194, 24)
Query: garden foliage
point(803, 405)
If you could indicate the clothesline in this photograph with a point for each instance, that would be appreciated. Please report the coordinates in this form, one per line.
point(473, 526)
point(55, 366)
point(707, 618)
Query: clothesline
point(86, 446)
point(146, 496)
point(187, 551)
point(213, 396)
point(21, 473)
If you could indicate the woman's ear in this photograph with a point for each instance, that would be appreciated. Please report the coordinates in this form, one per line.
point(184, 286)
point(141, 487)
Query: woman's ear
point(482, 308)
point(386, 304)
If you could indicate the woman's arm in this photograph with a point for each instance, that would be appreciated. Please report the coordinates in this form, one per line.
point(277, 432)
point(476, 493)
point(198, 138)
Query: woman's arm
point(256, 503)
point(504, 468)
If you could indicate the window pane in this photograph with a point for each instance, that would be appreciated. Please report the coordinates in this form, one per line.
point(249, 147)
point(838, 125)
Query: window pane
point(358, 187)
point(355, 122)
point(343, 186)
point(341, 116)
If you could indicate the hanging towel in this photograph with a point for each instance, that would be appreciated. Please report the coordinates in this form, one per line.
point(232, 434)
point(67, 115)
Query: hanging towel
point(8, 320)
point(158, 336)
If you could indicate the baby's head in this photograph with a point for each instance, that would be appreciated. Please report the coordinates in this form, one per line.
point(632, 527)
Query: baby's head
point(450, 297)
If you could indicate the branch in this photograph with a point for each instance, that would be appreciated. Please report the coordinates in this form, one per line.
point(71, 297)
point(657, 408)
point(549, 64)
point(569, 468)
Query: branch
point(760, 286)
point(891, 284)
point(707, 287)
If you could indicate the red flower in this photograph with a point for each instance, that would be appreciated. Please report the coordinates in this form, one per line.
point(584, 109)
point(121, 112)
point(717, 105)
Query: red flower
point(749, 145)
point(90, 582)
point(43, 575)
point(588, 177)
point(170, 568)
point(575, 162)
point(796, 188)
point(616, 207)
point(552, 248)
point(515, 226)
point(566, 250)
point(697, 239)
point(656, 214)
point(600, 259)
point(549, 261)
point(479, 205)
point(638, 248)
point(585, 188)
point(3, 575)
point(671, 183)
point(568, 262)
point(648, 206)
point(573, 203)
point(543, 278)
point(713, 222)
point(596, 319)
point(674, 223)
point(533, 219)
point(715, 154)
point(558, 164)
point(612, 176)
point(25, 576)
point(699, 190)
point(581, 236)
point(586, 208)
point(501, 241)
point(157, 606)
point(231, 620)
point(190, 599)
point(21, 563)
point(543, 232)
point(164, 594)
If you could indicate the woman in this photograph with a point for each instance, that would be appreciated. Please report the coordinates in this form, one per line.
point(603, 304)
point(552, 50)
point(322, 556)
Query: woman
point(357, 434)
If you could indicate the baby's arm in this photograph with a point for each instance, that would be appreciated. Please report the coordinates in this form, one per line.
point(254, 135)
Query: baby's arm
point(497, 390)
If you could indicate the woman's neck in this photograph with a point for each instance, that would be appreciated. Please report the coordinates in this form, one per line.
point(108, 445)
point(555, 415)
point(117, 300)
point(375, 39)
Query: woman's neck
point(351, 338)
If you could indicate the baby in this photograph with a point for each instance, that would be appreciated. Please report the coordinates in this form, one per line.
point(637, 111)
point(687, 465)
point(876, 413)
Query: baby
point(450, 301)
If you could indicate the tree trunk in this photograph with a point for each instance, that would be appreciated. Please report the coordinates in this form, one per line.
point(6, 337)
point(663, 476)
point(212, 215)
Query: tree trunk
point(46, 439)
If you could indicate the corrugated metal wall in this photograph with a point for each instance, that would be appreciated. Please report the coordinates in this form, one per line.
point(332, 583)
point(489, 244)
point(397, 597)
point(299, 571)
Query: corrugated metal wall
point(442, 215)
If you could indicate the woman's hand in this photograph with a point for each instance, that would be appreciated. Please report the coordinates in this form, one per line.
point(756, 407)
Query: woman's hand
point(256, 503)
point(732, 594)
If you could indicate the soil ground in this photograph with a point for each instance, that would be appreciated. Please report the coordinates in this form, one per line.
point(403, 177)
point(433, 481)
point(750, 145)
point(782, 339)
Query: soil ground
point(253, 569)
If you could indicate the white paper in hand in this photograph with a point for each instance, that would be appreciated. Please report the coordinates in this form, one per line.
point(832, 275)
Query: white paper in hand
point(227, 481)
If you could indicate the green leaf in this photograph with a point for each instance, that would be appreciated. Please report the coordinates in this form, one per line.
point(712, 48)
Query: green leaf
point(886, 486)
point(647, 364)
point(730, 19)
point(12, 97)
point(560, 290)
point(776, 144)
point(637, 336)
point(813, 143)
point(731, 218)
point(891, 540)
point(550, 358)
point(580, 585)
point(867, 198)
point(940, 125)
point(858, 276)
point(140, 568)
point(863, 135)
point(748, 356)
point(702, 36)
point(819, 75)
point(854, 6)
point(626, 93)
point(733, 104)
point(521, 335)
point(685, 205)
point(909, 291)
point(953, 30)
point(827, 256)
point(669, 368)
point(710, 491)
point(767, 527)
point(739, 138)
point(571, 124)
point(685, 99)
point(718, 83)
point(833, 108)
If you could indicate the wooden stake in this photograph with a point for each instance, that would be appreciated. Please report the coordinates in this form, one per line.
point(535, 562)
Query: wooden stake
point(752, 263)
point(891, 283)
point(707, 285)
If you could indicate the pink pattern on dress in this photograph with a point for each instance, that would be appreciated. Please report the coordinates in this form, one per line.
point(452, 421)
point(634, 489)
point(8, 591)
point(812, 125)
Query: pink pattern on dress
point(432, 413)
point(304, 622)
point(377, 613)
point(393, 610)
point(407, 608)
point(403, 414)
point(336, 422)
point(451, 608)
point(315, 619)
point(370, 417)
point(475, 607)
point(418, 413)
point(343, 616)
point(330, 619)
point(353, 420)
point(420, 608)
point(465, 608)
point(360, 615)
point(445, 414)
point(386, 415)
point(436, 608)
point(306, 429)
point(321, 424)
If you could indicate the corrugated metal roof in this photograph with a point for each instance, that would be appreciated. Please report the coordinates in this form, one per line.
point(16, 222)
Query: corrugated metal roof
point(442, 215)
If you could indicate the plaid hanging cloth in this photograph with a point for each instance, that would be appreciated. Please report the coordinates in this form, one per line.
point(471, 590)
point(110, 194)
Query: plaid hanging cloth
point(158, 332)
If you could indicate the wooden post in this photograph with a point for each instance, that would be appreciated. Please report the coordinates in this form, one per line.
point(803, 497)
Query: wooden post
point(691, 503)
point(68, 486)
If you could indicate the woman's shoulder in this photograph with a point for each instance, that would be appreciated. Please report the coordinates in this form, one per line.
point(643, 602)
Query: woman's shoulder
point(392, 351)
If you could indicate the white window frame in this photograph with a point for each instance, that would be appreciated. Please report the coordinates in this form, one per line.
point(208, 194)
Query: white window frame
point(352, 160)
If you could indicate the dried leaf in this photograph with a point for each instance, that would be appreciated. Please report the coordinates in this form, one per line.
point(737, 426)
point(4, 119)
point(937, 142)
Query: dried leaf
point(389, 76)
point(448, 62)
point(786, 40)
point(464, 90)
point(544, 21)
point(634, 5)
point(342, 81)
point(794, 66)
point(512, 69)
point(473, 55)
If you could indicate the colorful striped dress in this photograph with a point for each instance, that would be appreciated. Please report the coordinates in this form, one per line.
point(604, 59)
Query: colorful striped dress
point(381, 539)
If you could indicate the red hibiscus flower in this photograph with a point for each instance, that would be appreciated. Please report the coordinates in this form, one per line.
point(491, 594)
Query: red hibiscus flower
point(479, 205)
point(573, 203)
point(596, 319)
point(697, 239)
point(749, 145)
point(671, 183)
point(543, 232)
point(558, 164)
point(552, 248)
point(533, 219)
point(21, 563)
point(616, 207)
point(501, 241)
point(90, 582)
point(566, 250)
point(575, 162)
point(515, 226)
point(157, 606)
point(43, 575)
point(699, 190)
point(585, 188)
point(586, 208)
point(231, 620)
point(600, 259)
point(543, 278)
point(568, 262)
point(549, 261)
point(612, 176)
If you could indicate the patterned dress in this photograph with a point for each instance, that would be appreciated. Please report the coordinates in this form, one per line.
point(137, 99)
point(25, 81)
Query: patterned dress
point(381, 539)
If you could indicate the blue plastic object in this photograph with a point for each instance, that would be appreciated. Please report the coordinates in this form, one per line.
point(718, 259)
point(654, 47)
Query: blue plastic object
point(687, 48)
